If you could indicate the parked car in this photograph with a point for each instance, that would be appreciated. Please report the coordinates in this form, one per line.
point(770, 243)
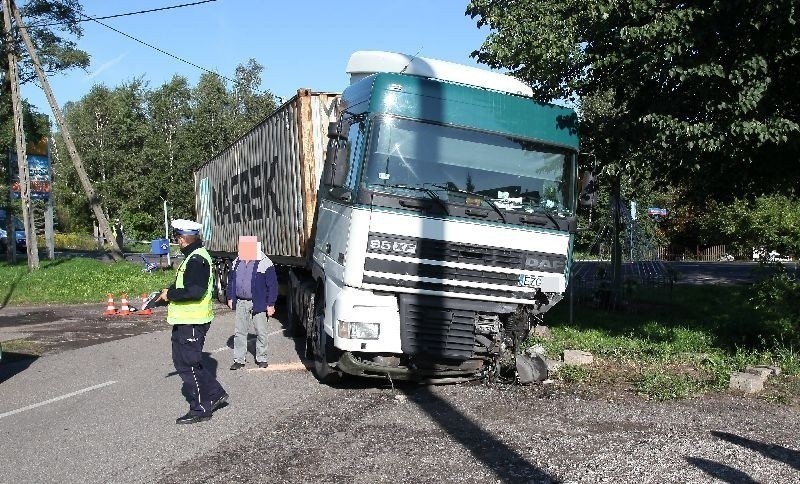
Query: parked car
point(19, 233)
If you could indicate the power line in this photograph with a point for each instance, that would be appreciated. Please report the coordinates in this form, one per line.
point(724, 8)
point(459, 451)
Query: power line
point(162, 50)
point(127, 14)
point(154, 10)
point(234, 81)
point(97, 20)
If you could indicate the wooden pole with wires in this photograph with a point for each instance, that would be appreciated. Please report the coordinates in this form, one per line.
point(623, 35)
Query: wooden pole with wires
point(19, 136)
point(91, 195)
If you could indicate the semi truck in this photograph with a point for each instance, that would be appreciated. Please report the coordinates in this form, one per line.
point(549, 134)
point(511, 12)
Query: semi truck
point(423, 219)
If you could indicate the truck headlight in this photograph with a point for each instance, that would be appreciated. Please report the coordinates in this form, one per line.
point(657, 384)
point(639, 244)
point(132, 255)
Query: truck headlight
point(358, 330)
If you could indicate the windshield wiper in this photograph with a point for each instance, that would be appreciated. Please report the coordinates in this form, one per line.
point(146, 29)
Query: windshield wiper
point(548, 214)
point(467, 192)
point(431, 193)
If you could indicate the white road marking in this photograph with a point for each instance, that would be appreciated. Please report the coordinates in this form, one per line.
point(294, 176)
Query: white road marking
point(290, 366)
point(52, 400)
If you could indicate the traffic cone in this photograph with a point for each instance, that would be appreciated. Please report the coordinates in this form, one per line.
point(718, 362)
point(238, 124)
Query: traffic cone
point(110, 309)
point(124, 310)
point(145, 311)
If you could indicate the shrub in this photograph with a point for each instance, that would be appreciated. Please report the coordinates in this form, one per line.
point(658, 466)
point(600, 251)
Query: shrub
point(778, 297)
point(71, 241)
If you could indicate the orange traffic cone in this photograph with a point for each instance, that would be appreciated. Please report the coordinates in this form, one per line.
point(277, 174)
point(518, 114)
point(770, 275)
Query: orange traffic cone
point(124, 310)
point(110, 309)
point(145, 311)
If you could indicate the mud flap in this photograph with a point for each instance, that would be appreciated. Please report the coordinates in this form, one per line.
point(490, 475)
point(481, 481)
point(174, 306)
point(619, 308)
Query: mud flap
point(531, 368)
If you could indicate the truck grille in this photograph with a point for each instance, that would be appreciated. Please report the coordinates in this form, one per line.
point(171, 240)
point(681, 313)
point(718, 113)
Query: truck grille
point(436, 327)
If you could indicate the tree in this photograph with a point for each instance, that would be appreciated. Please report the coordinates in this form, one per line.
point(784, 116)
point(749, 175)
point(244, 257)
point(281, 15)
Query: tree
point(50, 24)
point(48, 18)
point(700, 93)
point(111, 130)
point(211, 126)
point(142, 145)
point(250, 105)
point(771, 221)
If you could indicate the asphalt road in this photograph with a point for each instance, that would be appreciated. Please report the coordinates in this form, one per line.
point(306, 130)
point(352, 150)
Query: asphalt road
point(734, 272)
point(105, 412)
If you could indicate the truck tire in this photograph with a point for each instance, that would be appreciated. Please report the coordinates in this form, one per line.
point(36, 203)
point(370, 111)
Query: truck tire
point(294, 326)
point(219, 289)
point(321, 345)
point(221, 281)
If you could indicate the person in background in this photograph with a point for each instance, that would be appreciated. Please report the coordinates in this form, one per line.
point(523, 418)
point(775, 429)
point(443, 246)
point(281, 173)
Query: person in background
point(118, 232)
point(252, 291)
point(190, 313)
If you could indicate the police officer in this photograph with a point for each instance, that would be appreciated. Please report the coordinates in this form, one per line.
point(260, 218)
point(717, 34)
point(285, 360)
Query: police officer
point(190, 314)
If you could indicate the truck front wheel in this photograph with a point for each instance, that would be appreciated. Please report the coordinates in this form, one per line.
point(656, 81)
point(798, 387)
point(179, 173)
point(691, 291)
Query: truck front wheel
point(321, 345)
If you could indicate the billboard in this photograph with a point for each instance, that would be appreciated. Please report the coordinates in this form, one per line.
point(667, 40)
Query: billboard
point(38, 171)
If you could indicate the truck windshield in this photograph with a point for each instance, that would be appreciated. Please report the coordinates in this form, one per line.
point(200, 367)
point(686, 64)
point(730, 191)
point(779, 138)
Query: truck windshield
point(470, 167)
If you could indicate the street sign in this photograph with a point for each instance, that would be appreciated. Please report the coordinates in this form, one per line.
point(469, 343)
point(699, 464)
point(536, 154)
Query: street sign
point(660, 212)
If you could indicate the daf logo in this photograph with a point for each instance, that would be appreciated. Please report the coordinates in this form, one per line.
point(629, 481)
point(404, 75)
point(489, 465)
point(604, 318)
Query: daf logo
point(544, 263)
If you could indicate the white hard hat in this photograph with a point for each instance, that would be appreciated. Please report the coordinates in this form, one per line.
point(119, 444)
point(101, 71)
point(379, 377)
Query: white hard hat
point(186, 227)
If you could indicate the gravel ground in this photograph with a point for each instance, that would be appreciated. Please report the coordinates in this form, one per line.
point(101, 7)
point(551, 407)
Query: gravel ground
point(475, 433)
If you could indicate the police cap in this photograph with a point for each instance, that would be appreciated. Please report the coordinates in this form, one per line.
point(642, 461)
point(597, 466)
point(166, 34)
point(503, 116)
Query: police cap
point(186, 227)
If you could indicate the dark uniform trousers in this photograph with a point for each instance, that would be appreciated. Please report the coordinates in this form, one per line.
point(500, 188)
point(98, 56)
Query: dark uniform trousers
point(199, 386)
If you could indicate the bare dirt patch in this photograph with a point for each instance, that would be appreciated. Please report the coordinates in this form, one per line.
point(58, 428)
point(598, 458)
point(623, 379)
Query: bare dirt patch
point(54, 329)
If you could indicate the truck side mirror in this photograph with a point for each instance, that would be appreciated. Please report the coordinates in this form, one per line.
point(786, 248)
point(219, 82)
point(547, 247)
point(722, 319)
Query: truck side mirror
point(587, 189)
point(337, 130)
point(336, 163)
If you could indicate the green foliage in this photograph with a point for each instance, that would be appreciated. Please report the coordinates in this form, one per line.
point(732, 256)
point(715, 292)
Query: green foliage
point(699, 94)
point(660, 385)
point(48, 23)
point(76, 280)
point(573, 374)
point(140, 146)
point(71, 241)
point(770, 221)
point(778, 296)
point(686, 344)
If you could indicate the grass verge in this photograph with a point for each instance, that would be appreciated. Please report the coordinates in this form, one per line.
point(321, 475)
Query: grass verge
point(76, 280)
point(679, 344)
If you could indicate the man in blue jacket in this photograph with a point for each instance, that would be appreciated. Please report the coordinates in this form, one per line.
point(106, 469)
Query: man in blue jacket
point(252, 291)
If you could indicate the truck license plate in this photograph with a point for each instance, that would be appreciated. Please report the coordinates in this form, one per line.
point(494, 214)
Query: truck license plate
point(528, 280)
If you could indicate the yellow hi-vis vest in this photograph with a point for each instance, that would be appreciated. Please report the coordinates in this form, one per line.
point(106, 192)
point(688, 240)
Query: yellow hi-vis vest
point(192, 312)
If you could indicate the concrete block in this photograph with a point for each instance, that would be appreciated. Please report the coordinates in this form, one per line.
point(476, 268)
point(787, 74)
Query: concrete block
point(762, 372)
point(746, 382)
point(578, 357)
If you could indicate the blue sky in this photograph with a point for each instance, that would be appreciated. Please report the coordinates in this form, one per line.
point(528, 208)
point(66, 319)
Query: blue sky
point(300, 44)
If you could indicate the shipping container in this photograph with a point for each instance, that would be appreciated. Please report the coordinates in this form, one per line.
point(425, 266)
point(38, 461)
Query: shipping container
point(265, 183)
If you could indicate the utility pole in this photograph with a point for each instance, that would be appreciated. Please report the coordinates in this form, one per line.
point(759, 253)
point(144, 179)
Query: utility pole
point(91, 195)
point(19, 135)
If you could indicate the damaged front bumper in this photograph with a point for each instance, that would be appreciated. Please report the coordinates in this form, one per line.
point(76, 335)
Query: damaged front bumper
point(353, 365)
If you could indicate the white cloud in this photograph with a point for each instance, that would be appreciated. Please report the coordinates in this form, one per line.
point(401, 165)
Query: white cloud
point(105, 66)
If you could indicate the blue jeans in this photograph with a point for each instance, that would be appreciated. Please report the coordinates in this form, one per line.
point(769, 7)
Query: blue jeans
point(244, 310)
